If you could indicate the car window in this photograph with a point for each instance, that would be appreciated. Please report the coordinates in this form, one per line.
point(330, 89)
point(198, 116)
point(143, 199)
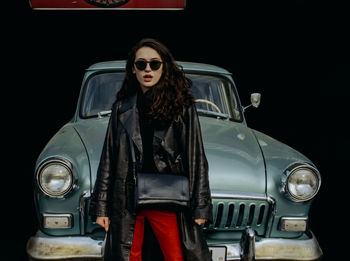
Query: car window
point(100, 92)
point(213, 94)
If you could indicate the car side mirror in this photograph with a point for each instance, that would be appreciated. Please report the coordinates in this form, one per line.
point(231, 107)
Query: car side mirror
point(255, 99)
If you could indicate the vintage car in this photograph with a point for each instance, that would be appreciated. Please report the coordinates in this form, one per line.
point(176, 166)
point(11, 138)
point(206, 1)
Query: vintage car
point(261, 189)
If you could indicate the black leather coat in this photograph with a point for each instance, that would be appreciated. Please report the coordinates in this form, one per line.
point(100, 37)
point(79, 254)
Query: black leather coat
point(177, 148)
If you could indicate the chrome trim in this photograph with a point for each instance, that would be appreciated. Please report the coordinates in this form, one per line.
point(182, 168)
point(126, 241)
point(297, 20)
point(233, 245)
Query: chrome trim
point(83, 211)
point(292, 168)
point(271, 218)
point(291, 249)
point(237, 195)
point(225, 194)
point(276, 249)
point(68, 216)
point(51, 248)
point(286, 219)
point(64, 162)
point(44, 247)
point(248, 245)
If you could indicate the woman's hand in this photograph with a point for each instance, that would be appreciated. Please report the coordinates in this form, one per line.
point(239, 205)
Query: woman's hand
point(200, 221)
point(103, 222)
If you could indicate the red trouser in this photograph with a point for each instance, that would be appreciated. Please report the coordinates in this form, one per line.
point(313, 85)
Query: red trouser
point(164, 226)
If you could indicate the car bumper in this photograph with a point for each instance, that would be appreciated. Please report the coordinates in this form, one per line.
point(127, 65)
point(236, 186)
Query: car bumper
point(273, 248)
point(43, 247)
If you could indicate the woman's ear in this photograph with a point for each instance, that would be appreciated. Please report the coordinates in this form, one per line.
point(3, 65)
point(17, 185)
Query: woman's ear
point(133, 69)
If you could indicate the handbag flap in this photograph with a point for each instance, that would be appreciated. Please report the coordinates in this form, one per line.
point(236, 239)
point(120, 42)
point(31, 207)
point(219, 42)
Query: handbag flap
point(162, 187)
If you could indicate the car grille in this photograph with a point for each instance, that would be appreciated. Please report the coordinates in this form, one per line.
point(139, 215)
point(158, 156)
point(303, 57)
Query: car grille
point(234, 214)
point(231, 212)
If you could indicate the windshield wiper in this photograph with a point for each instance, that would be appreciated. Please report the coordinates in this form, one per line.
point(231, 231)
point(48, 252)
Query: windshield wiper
point(103, 113)
point(213, 114)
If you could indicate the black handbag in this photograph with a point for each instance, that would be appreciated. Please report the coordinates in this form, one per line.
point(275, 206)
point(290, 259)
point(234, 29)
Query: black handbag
point(159, 190)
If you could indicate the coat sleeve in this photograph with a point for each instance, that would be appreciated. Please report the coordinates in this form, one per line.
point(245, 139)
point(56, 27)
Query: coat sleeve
point(101, 196)
point(198, 168)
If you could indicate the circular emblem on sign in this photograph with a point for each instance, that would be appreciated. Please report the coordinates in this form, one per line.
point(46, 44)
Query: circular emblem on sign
point(107, 3)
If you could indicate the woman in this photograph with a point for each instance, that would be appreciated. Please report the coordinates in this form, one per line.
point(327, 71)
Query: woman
point(154, 108)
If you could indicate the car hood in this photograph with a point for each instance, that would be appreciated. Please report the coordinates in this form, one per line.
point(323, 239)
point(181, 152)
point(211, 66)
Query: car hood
point(234, 156)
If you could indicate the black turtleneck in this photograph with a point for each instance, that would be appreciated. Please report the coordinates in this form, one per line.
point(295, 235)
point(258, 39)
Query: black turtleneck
point(147, 131)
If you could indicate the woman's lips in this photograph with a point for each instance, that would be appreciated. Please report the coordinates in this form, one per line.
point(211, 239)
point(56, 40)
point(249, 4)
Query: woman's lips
point(147, 78)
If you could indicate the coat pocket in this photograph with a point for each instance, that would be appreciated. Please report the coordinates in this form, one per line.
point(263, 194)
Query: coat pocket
point(193, 240)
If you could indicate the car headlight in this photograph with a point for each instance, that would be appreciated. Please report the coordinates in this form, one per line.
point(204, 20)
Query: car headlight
point(55, 178)
point(302, 183)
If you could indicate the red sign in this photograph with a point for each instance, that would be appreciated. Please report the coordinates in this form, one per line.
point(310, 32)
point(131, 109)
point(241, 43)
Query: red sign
point(108, 4)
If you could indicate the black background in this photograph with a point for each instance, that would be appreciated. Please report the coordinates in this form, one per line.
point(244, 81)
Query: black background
point(296, 54)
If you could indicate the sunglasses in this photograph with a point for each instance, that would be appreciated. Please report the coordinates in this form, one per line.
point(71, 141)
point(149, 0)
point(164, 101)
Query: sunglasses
point(141, 65)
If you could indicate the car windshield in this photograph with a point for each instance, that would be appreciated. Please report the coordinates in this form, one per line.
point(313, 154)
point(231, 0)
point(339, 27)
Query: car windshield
point(214, 95)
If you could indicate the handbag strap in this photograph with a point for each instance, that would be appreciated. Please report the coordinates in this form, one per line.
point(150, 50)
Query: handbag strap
point(133, 157)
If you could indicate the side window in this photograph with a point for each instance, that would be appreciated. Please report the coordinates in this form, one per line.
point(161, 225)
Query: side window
point(100, 92)
point(214, 94)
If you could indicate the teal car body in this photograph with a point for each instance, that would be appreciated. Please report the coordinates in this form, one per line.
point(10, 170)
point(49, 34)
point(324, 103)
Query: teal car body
point(254, 178)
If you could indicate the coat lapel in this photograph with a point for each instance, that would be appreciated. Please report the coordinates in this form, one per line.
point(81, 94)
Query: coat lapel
point(129, 118)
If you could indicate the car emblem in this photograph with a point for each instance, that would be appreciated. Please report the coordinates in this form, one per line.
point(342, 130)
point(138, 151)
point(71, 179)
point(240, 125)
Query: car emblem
point(107, 3)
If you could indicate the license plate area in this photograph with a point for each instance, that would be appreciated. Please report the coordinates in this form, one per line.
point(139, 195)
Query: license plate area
point(218, 253)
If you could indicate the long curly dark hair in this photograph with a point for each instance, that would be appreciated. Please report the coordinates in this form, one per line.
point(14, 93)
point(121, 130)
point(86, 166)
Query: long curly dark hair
point(171, 94)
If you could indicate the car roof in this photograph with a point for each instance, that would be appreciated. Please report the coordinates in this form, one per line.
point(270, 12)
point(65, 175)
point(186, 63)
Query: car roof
point(187, 66)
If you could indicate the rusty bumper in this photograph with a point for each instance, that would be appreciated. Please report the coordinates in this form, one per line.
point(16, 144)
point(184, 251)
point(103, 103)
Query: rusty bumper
point(274, 248)
point(43, 247)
